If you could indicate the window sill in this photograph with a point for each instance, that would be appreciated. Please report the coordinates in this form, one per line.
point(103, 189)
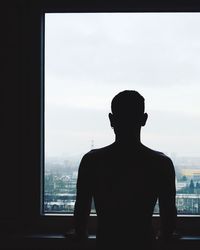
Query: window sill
point(60, 241)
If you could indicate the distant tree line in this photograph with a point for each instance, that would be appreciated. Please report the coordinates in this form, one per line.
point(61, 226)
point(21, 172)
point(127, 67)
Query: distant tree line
point(191, 188)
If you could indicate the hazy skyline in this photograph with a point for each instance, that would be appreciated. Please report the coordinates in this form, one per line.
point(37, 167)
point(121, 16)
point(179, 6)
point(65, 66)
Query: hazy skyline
point(91, 57)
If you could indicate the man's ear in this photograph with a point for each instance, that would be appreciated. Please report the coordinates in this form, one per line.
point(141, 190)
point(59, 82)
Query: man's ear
point(110, 115)
point(144, 119)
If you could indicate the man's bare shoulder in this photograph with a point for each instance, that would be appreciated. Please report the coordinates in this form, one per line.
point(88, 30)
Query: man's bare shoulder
point(154, 153)
point(99, 152)
point(158, 156)
point(161, 162)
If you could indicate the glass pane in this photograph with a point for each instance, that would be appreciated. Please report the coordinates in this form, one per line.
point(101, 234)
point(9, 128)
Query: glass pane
point(90, 57)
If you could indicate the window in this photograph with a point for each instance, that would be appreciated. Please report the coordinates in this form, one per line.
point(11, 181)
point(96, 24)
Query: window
point(90, 57)
point(32, 106)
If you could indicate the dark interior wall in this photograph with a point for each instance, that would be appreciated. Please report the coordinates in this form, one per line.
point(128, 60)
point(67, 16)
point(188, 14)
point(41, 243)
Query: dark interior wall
point(10, 146)
point(19, 192)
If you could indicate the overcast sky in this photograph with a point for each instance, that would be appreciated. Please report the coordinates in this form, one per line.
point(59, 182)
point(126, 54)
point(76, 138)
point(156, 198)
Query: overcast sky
point(89, 58)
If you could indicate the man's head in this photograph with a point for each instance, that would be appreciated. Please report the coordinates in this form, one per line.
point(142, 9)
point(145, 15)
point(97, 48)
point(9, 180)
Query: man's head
point(127, 114)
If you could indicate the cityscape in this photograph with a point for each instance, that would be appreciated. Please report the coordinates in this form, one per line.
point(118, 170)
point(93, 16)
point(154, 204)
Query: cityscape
point(61, 176)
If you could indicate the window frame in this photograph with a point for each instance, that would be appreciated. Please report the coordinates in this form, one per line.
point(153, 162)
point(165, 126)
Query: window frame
point(32, 19)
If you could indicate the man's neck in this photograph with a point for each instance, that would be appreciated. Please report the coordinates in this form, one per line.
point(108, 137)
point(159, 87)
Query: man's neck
point(132, 140)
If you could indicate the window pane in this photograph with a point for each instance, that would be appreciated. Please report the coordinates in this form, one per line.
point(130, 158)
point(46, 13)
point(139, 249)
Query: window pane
point(90, 57)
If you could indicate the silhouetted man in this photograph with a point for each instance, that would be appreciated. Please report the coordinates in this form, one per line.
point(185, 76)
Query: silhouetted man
point(125, 179)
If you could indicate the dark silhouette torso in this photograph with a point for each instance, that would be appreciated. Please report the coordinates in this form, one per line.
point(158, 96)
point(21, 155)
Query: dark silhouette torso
point(125, 183)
